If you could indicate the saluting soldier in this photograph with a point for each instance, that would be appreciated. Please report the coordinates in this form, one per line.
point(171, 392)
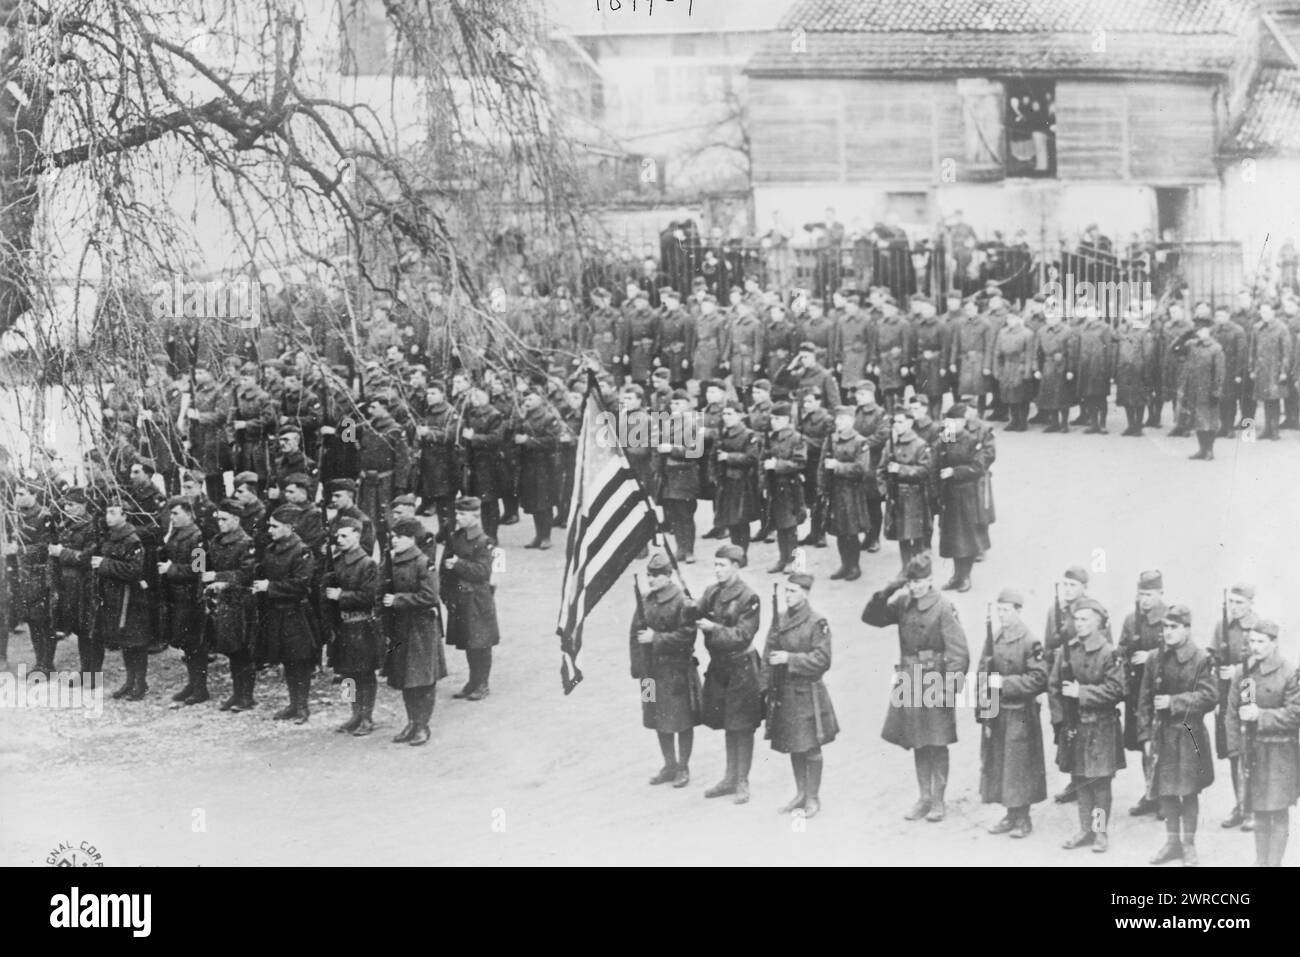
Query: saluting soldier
point(661, 643)
point(1264, 727)
point(1013, 771)
point(27, 555)
point(785, 462)
point(181, 563)
point(907, 474)
point(228, 622)
point(357, 645)
point(1178, 691)
point(466, 576)
point(1201, 382)
point(932, 651)
point(677, 476)
point(739, 451)
point(1056, 365)
point(1231, 652)
point(800, 716)
point(728, 614)
point(810, 376)
point(537, 437)
point(846, 474)
point(73, 602)
point(415, 661)
point(1094, 750)
point(285, 576)
point(1139, 639)
point(122, 614)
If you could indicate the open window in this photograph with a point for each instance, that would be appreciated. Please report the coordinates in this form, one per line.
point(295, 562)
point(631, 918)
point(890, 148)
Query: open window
point(1031, 128)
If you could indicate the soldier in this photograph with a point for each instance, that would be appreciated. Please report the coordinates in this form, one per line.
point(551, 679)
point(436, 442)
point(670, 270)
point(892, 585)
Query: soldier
point(1262, 727)
point(970, 354)
point(1094, 750)
point(931, 346)
point(923, 424)
point(1096, 368)
point(641, 344)
point(182, 561)
point(705, 339)
point(342, 494)
point(661, 643)
point(1013, 771)
point(228, 620)
point(27, 555)
point(1246, 318)
point(815, 424)
point(846, 474)
point(744, 349)
point(674, 352)
point(285, 577)
point(932, 650)
point(853, 343)
point(811, 376)
point(728, 615)
point(122, 614)
point(253, 420)
point(73, 601)
point(987, 453)
point(872, 423)
point(785, 462)
point(1177, 692)
point(252, 512)
point(959, 468)
point(1177, 330)
point(357, 648)
point(537, 436)
point(309, 523)
point(891, 359)
point(1270, 364)
point(415, 660)
point(907, 481)
point(289, 460)
point(1201, 382)
point(301, 408)
point(636, 435)
point(710, 425)
point(1056, 362)
point(466, 574)
point(781, 342)
point(483, 432)
point(1231, 651)
point(606, 333)
point(677, 474)
point(953, 317)
point(208, 447)
point(1013, 366)
point(194, 487)
point(1236, 361)
point(1291, 319)
point(1137, 368)
point(425, 541)
point(508, 457)
point(1138, 637)
point(385, 458)
point(739, 452)
point(800, 716)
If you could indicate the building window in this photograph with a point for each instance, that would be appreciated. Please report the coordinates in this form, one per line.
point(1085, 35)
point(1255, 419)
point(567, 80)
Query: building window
point(1031, 128)
point(983, 132)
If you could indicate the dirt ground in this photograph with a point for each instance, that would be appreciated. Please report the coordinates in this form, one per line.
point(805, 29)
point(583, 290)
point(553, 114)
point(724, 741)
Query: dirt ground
point(530, 776)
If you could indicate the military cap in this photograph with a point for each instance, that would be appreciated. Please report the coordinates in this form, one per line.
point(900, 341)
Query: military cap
point(248, 368)
point(848, 410)
point(1266, 627)
point(1040, 297)
point(864, 385)
point(407, 499)
point(813, 390)
point(660, 373)
point(782, 409)
point(1180, 614)
point(347, 521)
point(709, 297)
point(289, 429)
point(246, 478)
point(468, 503)
point(733, 405)
point(969, 400)
point(184, 501)
point(732, 553)
point(919, 567)
point(699, 281)
point(287, 515)
point(680, 395)
point(904, 410)
point(1243, 589)
point(140, 460)
point(229, 506)
point(991, 284)
point(1077, 573)
point(712, 384)
point(802, 579)
point(1151, 581)
point(641, 294)
point(408, 528)
point(1011, 596)
point(435, 384)
point(956, 411)
point(764, 384)
point(297, 478)
point(734, 288)
point(659, 564)
point(342, 485)
point(1091, 604)
point(633, 389)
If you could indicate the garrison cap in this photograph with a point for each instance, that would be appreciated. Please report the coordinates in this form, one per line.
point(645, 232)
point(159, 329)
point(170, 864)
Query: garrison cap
point(733, 553)
point(297, 478)
point(246, 478)
point(661, 373)
point(407, 499)
point(286, 515)
point(75, 494)
point(229, 506)
point(347, 521)
point(184, 501)
point(680, 395)
point(1266, 627)
point(782, 409)
point(1179, 614)
point(342, 485)
point(808, 347)
point(289, 429)
point(1010, 596)
point(1077, 573)
point(864, 385)
point(1243, 589)
point(669, 291)
point(733, 405)
point(436, 384)
point(764, 384)
point(408, 528)
point(468, 504)
point(802, 579)
point(1091, 604)
point(919, 567)
point(1151, 581)
point(659, 564)
point(956, 411)
point(849, 410)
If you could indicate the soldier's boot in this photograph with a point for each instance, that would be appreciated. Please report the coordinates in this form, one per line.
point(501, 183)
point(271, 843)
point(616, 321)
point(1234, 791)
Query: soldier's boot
point(1153, 414)
point(411, 701)
point(1190, 812)
point(685, 743)
point(1263, 840)
point(1234, 819)
point(1022, 826)
point(728, 783)
point(1081, 418)
point(668, 747)
point(1065, 421)
point(199, 679)
point(127, 683)
point(1172, 849)
point(138, 668)
point(303, 672)
point(244, 690)
point(347, 727)
point(786, 540)
point(939, 783)
point(1005, 825)
point(744, 761)
point(1279, 830)
point(813, 783)
point(799, 765)
point(188, 690)
point(923, 760)
point(367, 692)
point(1086, 835)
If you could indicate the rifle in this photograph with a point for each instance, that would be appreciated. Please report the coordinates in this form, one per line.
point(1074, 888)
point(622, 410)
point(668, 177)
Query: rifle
point(1250, 728)
point(1071, 705)
point(387, 616)
point(891, 486)
point(1224, 685)
point(642, 655)
point(776, 684)
point(1157, 688)
point(988, 642)
point(1134, 672)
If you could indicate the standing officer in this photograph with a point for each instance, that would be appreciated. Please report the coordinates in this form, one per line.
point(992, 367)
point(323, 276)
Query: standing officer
point(357, 647)
point(661, 642)
point(970, 354)
point(228, 619)
point(466, 575)
point(678, 473)
point(1177, 330)
point(1013, 368)
point(872, 423)
point(1056, 364)
point(1178, 691)
point(285, 578)
point(957, 462)
point(800, 716)
point(415, 660)
point(439, 464)
point(385, 458)
point(815, 424)
point(674, 338)
point(705, 339)
point(27, 555)
point(484, 434)
point(1270, 364)
point(425, 541)
point(932, 650)
point(537, 437)
point(928, 361)
point(1236, 361)
point(1201, 383)
point(1096, 369)
point(178, 575)
point(895, 342)
point(74, 603)
point(786, 459)
point(907, 478)
point(122, 614)
point(853, 342)
point(1139, 638)
point(739, 451)
point(1137, 367)
point(1013, 771)
point(846, 472)
point(1231, 650)
point(289, 460)
point(1092, 751)
point(342, 493)
point(728, 615)
point(1266, 733)
point(743, 349)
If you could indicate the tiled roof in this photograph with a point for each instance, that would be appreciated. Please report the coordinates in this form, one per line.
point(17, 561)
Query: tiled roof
point(929, 54)
point(1270, 125)
point(1015, 16)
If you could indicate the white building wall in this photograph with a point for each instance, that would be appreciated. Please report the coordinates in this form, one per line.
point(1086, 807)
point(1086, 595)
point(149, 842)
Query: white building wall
point(1261, 204)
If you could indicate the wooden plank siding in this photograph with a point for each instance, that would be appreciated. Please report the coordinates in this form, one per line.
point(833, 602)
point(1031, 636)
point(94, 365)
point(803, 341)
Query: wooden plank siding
point(1090, 142)
point(1172, 131)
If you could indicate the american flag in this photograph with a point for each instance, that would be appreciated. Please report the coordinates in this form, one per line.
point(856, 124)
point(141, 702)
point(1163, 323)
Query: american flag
point(611, 519)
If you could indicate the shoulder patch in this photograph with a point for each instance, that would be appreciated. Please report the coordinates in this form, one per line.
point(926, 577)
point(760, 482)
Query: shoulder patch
point(754, 602)
point(823, 626)
point(1036, 652)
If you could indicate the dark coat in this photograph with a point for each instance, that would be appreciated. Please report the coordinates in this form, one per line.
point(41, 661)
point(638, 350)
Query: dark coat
point(929, 365)
point(287, 630)
point(1096, 359)
point(1201, 385)
point(1234, 650)
point(744, 351)
point(971, 351)
point(732, 700)
point(1172, 359)
point(1013, 770)
point(800, 715)
point(122, 616)
point(1137, 368)
point(959, 495)
point(1236, 357)
point(636, 433)
point(73, 608)
point(894, 343)
point(846, 486)
point(468, 591)
point(488, 428)
point(1098, 749)
point(207, 431)
point(738, 451)
point(415, 655)
point(1137, 634)
point(1275, 758)
point(873, 425)
point(932, 665)
point(705, 340)
point(357, 643)
point(1270, 359)
point(439, 455)
point(666, 667)
point(852, 346)
point(908, 510)
point(1013, 363)
point(678, 470)
point(181, 621)
point(33, 533)
point(539, 490)
point(1057, 361)
point(228, 621)
point(787, 508)
point(1184, 762)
